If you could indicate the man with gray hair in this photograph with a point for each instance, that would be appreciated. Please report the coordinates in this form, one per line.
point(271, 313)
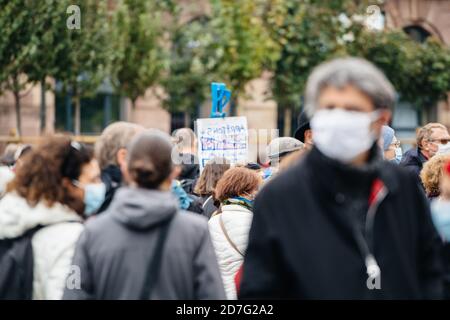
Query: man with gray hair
point(342, 223)
point(111, 152)
point(432, 139)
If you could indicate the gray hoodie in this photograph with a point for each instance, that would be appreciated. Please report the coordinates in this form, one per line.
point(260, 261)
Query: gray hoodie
point(114, 251)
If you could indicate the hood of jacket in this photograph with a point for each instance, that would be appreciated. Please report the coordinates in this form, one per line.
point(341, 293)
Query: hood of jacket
point(142, 208)
point(17, 216)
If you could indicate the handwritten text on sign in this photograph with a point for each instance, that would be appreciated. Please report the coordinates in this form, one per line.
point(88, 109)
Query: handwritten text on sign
point(222, 137)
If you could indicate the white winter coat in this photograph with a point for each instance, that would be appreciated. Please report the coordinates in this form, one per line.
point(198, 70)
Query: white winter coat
point(53, 246)
point(237, 220)
point(6, 175)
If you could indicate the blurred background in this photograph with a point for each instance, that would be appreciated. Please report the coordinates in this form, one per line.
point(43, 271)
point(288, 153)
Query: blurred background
point(75, 69)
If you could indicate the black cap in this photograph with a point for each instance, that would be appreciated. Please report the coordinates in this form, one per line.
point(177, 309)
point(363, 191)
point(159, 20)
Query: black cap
point(253, 166)
point(302, 126)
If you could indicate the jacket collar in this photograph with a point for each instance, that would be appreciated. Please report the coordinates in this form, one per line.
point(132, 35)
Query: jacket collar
point(335, 176)
point(414, 156)
point(234, 208)
point(112, 173)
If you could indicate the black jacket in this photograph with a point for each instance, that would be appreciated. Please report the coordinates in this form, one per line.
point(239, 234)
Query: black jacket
point(413, 160)
point(112, 178)
point(302, 242)
point(191, 169)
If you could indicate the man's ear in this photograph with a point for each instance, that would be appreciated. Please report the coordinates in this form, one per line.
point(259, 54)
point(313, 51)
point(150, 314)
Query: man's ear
point(121, 156)
point(307, 135)
point(385, 117)
point(125, 173)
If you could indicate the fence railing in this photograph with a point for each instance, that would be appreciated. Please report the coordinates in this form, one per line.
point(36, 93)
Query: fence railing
point(93, 139)
point(37, 139)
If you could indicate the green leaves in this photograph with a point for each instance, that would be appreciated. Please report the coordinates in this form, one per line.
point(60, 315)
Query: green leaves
point(310, 32)
point(188, 77)
point(244, 44)
point(142, 43)
point(139, 51)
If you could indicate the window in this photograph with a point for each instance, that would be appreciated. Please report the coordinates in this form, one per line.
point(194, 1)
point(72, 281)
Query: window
point(417, 33)
point(96, 113)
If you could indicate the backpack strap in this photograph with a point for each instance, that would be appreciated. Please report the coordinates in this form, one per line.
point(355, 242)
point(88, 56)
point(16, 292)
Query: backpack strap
point(154, 266)
point(227, 236)
point(210, 198)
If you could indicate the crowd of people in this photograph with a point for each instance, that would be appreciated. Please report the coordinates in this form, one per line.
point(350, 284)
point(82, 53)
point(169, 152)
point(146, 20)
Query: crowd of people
point(337, 212)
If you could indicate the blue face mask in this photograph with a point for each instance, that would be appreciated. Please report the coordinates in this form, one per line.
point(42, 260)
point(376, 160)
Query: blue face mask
point(94, 196)
point(398, 155)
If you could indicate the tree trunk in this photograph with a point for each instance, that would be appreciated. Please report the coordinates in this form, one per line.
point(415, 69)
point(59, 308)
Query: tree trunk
point(287, 120)
point(133, 110)
point(18, 116)
point(232, 105)
point(107, 110)
point(187, 119)
point(77, 120)
point(123, 109)
point(43, 111)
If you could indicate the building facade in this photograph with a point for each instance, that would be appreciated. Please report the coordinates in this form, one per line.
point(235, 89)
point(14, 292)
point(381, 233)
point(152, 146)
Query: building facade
point(420, 18)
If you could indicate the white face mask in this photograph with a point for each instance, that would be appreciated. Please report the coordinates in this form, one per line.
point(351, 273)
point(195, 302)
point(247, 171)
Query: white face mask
point(341, 134)
point(443, 148)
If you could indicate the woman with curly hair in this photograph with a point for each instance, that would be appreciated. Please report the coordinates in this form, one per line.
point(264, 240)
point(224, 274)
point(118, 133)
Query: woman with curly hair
point(431, 175)
point(58, 183)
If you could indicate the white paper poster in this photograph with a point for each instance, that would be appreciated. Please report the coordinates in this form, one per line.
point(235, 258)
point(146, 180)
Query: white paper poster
point(222, 137)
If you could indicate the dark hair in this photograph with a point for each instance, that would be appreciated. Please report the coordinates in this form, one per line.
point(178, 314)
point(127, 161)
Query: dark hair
point(235, 182)
point(149, 158)
point(212, 172)
point(43, 169)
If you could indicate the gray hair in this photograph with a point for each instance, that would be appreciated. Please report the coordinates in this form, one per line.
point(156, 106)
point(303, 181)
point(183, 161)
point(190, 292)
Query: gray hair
point(360, 73)
point(116, 136)
point(184, 138)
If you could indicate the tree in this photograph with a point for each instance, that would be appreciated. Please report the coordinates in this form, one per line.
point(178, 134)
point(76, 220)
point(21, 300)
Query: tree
point(140, 55)
point(242, 47)
point(310, 32)
point(418, 71)
point(85, 56)
point(47, 21)
point(16, 49)
point(187, 82)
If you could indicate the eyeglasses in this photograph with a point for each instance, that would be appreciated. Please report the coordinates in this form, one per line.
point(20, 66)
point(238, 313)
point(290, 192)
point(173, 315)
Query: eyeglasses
point(441, 141)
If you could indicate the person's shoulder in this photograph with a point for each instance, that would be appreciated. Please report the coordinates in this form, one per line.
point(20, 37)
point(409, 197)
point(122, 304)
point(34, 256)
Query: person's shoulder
point(190, 221)
point(293, 177)
point(60, 233)
point(189, 229)
point(95, 224)
point(410, 157)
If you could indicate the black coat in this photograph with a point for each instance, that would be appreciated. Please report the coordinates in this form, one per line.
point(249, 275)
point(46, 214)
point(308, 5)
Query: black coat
point(302, 244)
point(413, 160)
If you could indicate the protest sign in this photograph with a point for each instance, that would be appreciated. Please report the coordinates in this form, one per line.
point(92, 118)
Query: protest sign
point(222, 137)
